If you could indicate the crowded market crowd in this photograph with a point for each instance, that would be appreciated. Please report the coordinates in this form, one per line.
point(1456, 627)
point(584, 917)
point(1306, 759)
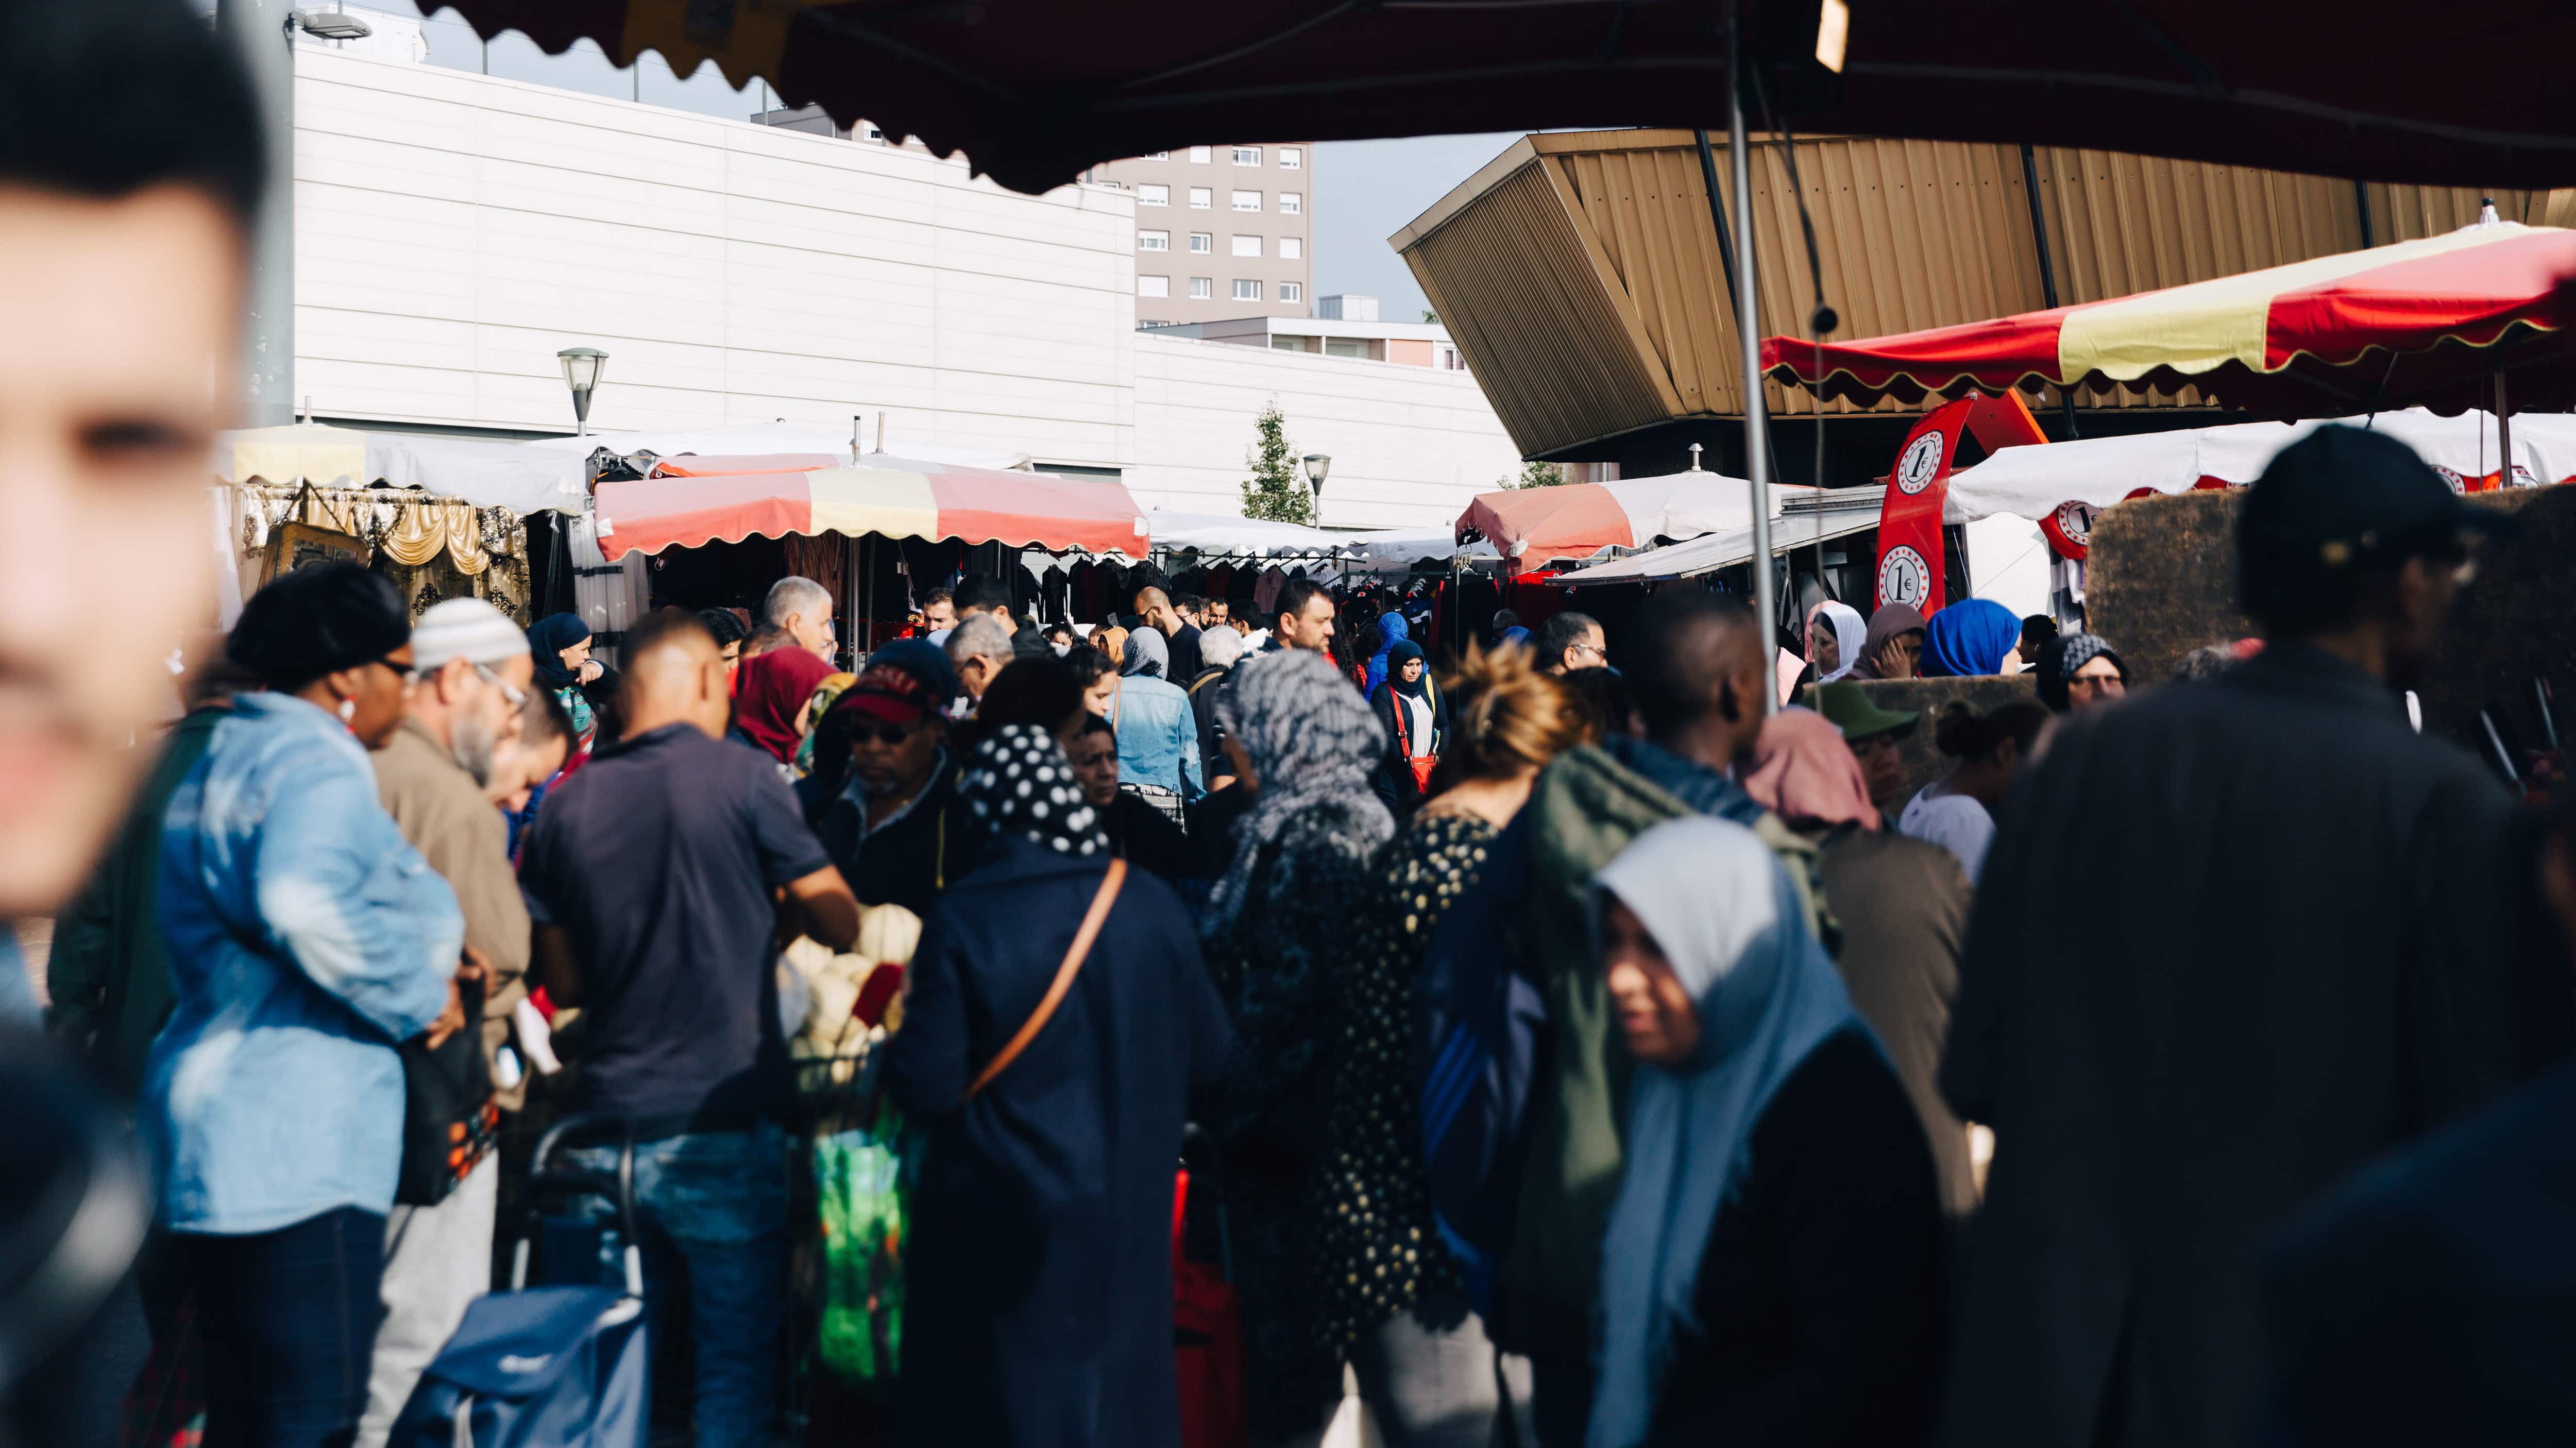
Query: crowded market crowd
point(1571, 1039)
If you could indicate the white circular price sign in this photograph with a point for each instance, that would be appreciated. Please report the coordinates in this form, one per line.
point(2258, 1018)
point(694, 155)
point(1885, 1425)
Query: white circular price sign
point(1914, 471)
point(1903, 578)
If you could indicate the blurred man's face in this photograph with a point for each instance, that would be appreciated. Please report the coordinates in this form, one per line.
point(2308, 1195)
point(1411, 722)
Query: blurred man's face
point(939, 615)
point(2098, 682)
point(1095, 767)
point(893, 758)
point(121, 324)
point(1215, 612)
point(1310, 627)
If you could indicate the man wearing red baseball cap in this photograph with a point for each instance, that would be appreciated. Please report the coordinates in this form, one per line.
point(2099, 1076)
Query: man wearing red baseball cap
point(883, 794)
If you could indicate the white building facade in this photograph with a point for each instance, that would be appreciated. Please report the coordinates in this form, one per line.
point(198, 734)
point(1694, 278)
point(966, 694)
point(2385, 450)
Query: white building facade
point(453, 231)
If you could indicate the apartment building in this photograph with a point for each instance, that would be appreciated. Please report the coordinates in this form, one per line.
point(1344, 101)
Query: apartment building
point(1221, 231)
point(1413, 344)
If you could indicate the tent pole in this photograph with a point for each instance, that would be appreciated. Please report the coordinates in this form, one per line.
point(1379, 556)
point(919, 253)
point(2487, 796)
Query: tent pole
point(2504, 434)
point(2047, 270)
point(1717, 218)
point(1757, 452)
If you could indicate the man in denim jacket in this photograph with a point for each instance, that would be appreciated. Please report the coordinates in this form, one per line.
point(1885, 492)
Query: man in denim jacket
point(306, 940)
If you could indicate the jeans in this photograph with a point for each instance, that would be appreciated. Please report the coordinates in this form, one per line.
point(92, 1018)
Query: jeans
point(714, 1204)
point(437, 1261)
point(288, 1319)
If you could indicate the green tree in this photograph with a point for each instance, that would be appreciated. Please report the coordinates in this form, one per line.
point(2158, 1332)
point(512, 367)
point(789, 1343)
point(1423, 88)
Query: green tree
point(1431, 317)
point(1537, 475)
point(1274, 491)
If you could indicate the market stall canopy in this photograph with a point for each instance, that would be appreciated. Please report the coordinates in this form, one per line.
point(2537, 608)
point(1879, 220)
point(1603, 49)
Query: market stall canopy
point(1212, 533)
point(903, 498)
point(2032, 482)
point(1533, 526)
point(483, 472)
point(1033, 91)
point(1399, 549)
point(2419, 322)
point(1803, 523)
point(770, 439)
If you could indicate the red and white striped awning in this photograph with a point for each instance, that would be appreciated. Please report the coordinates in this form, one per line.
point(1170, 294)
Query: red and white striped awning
point(894, 497)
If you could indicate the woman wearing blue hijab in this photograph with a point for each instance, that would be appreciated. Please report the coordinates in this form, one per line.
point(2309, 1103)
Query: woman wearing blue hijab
point(1780, 1278)
point(1970, 638)
point(1391, 630)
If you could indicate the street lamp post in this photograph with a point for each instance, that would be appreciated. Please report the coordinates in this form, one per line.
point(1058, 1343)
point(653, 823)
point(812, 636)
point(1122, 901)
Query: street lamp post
point(1317, 466)
point(582, 367)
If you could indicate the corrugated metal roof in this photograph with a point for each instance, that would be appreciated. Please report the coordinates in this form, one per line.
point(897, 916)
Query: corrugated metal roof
point(1580, 274)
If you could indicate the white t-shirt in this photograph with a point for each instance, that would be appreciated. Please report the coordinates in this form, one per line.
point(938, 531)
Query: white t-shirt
point(1417, 722)
point(1954, 822)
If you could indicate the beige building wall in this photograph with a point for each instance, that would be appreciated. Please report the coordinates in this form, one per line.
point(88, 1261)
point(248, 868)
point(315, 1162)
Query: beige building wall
point(1232, 222)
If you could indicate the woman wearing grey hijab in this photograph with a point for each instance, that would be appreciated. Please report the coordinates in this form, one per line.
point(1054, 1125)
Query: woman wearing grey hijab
point(1301, 738)
point(1158, 736)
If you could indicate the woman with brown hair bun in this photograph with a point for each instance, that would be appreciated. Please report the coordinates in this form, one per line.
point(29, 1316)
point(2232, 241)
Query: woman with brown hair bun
point(1423, 1361)
point(1957, 811)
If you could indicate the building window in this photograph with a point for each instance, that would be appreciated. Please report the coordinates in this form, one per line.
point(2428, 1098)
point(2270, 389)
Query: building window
point(1346, 347)
point(1292, 291)
point(1247, 245)
point(869, 129)
point(1150, 195)
point(1199, 155)
point(1450, 359)
point(1292, 248)
point(1153, 241)
point(1246, 291)
point(1292, 203)
point(1158, 155)
point(1202, 244)
point(1153, 286)
point(1201, 198)
point(1291, 159)
point(1202, 288)
point(1247, 155)
point(1290, 344)
point(1247, 201)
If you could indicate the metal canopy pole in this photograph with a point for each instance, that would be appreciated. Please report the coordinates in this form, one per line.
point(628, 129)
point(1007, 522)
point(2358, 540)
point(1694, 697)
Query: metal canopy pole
point(2047, 271)
point(1757, 452)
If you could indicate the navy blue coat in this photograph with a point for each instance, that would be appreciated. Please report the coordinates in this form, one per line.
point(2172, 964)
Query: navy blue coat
point(1039, 1295)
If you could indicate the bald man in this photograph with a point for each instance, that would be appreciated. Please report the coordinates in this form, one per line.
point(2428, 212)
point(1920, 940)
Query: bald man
point(657, 878)
point(1182, 636)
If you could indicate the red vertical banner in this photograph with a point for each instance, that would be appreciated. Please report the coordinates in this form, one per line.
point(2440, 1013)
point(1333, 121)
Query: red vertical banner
point(1909, 521)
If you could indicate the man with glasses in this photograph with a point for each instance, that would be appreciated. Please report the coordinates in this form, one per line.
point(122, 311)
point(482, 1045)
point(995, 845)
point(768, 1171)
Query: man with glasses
point(883, 793)
point(470, 675)
point(1571, 641)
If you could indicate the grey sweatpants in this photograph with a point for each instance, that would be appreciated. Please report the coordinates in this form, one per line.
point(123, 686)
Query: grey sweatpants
point(1441, 1389)
point(437, 1261)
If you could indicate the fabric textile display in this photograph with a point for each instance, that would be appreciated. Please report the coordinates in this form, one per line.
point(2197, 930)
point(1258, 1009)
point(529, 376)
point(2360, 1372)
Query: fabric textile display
point(432, 549)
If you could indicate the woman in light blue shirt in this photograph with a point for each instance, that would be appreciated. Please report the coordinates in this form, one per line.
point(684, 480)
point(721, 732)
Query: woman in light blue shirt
point(306, 939)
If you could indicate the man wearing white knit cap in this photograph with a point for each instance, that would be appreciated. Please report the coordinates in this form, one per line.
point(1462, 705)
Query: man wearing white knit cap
point(471, 673)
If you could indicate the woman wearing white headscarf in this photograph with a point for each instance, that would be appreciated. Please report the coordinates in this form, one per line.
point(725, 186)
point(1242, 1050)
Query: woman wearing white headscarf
point(1278, 923)
point(1779, 1274)
point(1835, 632)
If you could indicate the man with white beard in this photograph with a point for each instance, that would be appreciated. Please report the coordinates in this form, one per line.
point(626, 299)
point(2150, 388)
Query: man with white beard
point(471, 674)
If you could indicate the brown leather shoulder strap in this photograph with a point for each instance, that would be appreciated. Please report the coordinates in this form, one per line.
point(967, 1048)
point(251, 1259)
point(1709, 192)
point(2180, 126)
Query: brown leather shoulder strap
point(1064, 974)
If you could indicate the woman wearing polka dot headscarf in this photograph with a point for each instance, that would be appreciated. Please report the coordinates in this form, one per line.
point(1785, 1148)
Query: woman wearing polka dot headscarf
point(1039, 1266)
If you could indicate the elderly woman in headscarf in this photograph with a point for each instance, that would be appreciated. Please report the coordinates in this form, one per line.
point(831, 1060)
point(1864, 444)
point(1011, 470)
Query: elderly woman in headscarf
point(1040, 1265)
point(2079, 671)
point(1777, 1273)
point(1893, 643)
point(1158, 735)
point(1835, 632)
point(770, 695)
point(1903, 907)
point(1969, 639)
point(1415, 715)
point(1391, 630)
point(1276, 927)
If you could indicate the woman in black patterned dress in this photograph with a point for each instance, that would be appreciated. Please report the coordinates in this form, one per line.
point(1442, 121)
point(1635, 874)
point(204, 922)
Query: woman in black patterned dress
point(1391, 1296)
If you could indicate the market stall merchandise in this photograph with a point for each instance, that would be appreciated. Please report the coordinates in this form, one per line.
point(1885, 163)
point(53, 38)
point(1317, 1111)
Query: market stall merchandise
point(2429, 322)
point(1536, 526)
point(771, 439)
point(433, 548)
point(1212, 536)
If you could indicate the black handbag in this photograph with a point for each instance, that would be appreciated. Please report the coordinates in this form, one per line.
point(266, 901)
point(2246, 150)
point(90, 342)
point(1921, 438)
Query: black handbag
point(450, 1120)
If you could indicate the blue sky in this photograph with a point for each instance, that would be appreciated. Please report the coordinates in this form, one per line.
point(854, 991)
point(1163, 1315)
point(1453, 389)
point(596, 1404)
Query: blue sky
point(1364, 191)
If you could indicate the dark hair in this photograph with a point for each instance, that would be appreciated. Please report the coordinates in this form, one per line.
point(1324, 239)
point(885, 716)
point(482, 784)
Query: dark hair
point(1061, 629)
point(1504, 618)
point(1962, 733)
point(979, 594)
point(2039, 627)
point(1190, 601)
point(1604, 696)
point(1094, 724)
point(317, 620)
point(1561, 633)
point(544, 717)
point(724, 625)
point(661, 626)
point(1088, 664)
point(106, 98)
point(1679, 655)
point(938, 595)
point(1043, 692)
point(1295, 595)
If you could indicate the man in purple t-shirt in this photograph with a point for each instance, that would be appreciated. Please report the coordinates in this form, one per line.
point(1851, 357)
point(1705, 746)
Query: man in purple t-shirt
point(658, 879)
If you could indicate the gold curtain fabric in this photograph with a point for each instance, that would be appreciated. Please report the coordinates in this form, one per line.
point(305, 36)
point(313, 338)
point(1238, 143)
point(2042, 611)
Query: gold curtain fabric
point(432, 548)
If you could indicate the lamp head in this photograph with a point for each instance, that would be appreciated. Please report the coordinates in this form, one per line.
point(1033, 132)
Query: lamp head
point(1317, 466)
point(582, 369)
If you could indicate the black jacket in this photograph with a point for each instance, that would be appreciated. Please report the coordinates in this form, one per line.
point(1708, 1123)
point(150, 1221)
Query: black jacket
point(1393, 779)
point(1203, 687)
point(910, 861)
point(1146, 838)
